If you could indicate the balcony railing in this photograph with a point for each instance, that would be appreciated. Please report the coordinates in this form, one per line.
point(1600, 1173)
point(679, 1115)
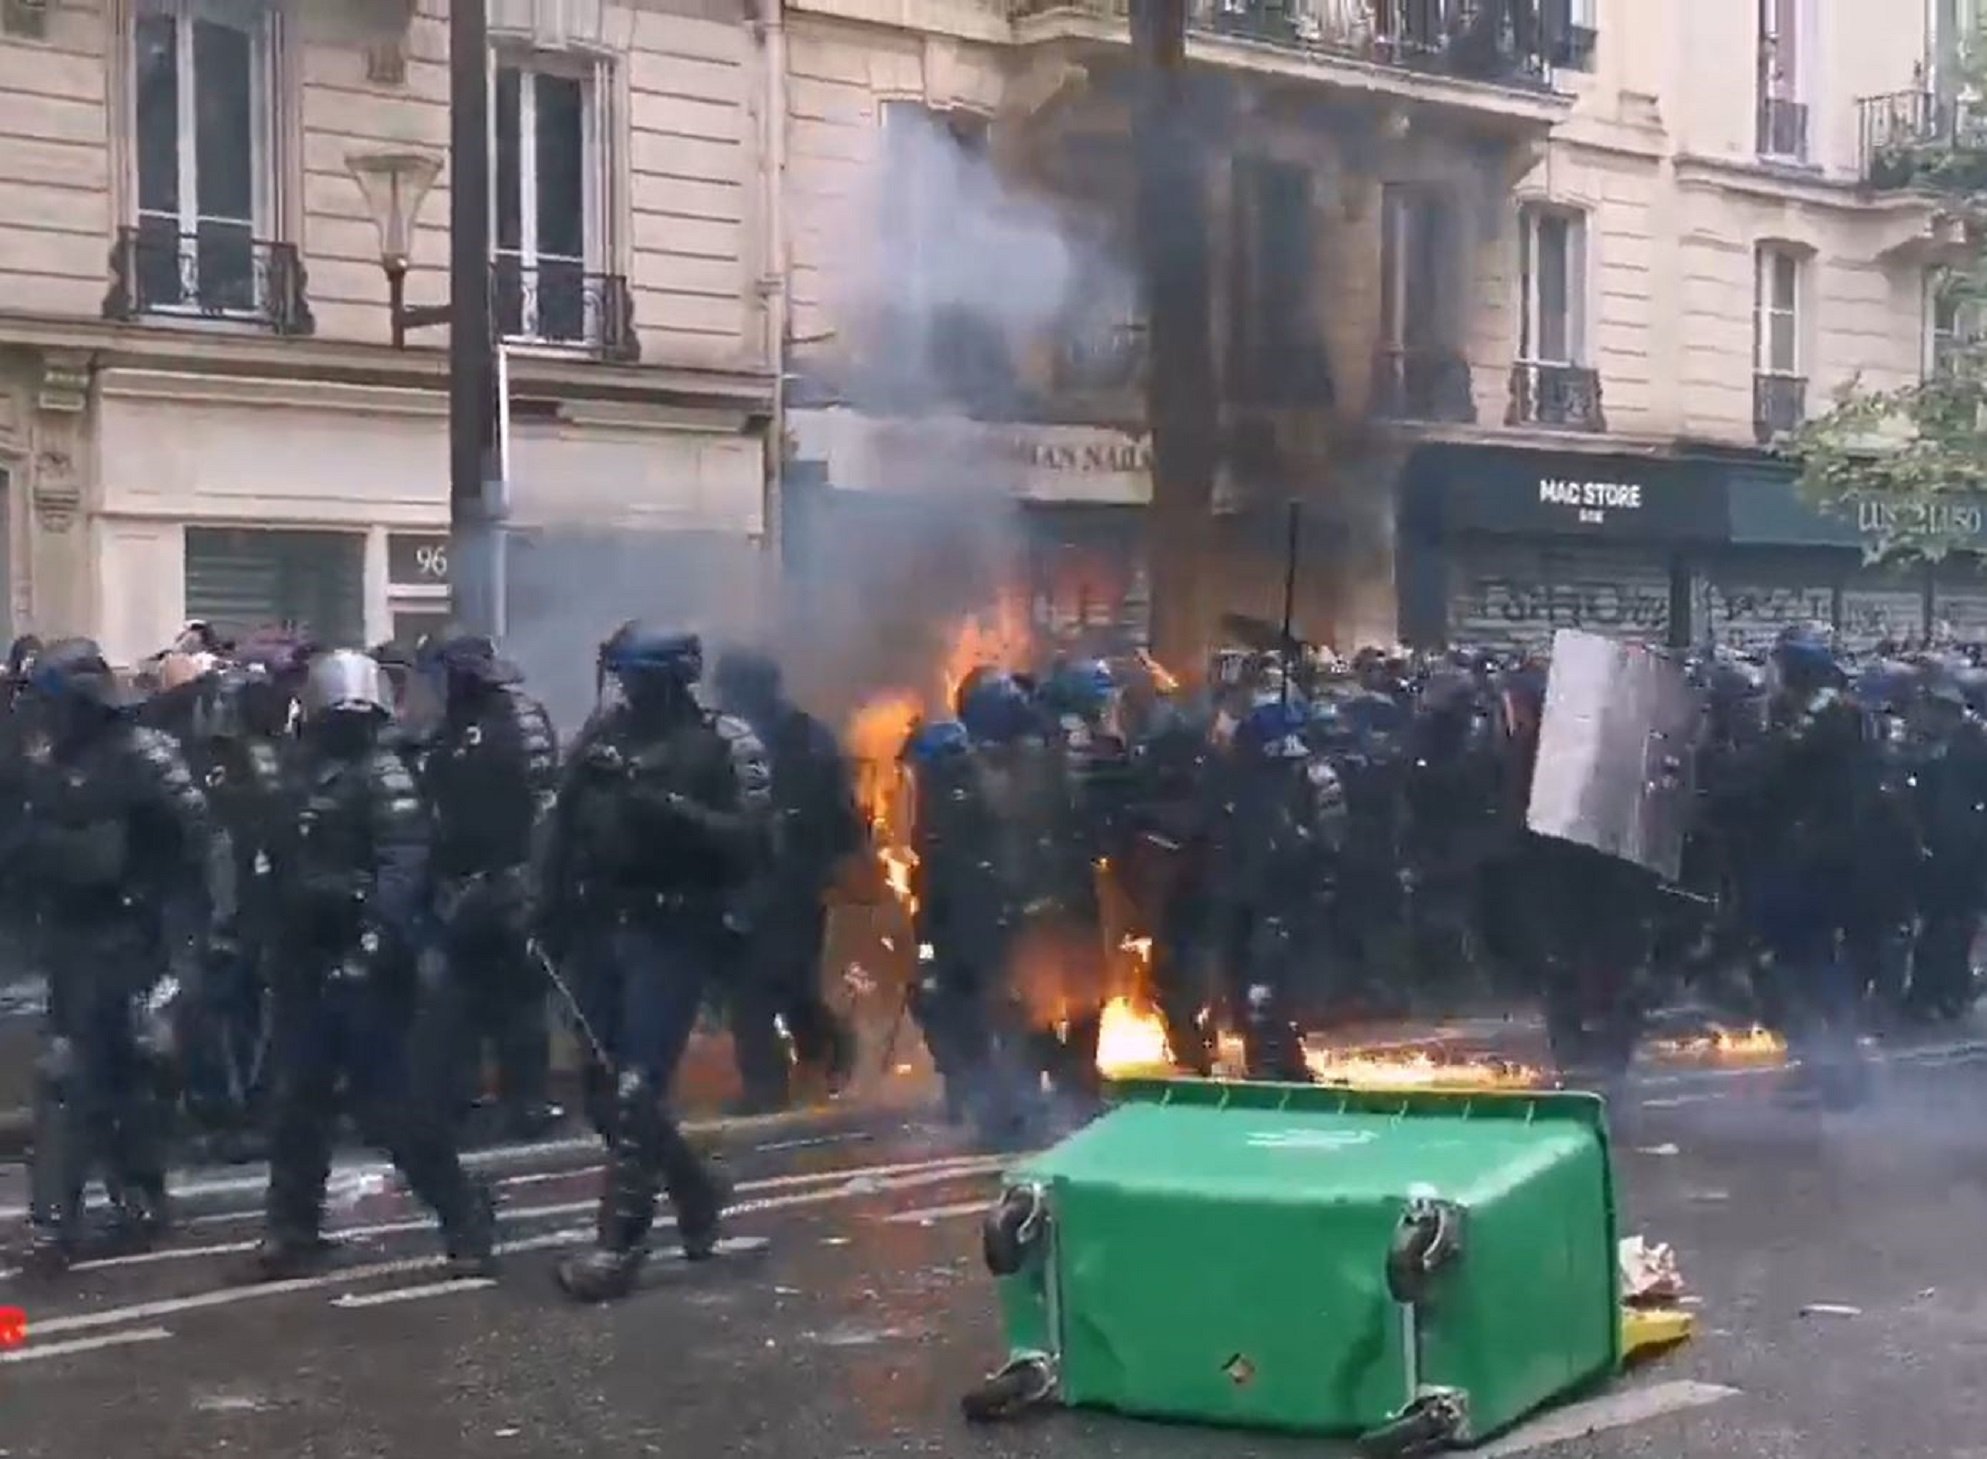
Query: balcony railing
point(1913, 137)
point(218, 272)
point(1423, 385)
point(1101, 360)
point(1783, 129)
point(562, 306)
point(1510, 42)
point(1565, 396)
point(1779, 404)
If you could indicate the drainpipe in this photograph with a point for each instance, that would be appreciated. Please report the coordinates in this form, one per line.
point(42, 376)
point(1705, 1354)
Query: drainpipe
point(769, 28)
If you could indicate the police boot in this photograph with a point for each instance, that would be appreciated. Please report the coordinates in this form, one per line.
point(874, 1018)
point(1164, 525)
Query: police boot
point(699, 1193)
point(141, 1215)
point(469, 1233)
point(627, 1201)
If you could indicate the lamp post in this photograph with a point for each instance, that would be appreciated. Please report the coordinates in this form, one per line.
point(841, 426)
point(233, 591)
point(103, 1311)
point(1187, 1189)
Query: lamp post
point(394, 184)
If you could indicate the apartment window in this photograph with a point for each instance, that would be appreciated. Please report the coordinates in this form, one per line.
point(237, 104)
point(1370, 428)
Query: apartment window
point(1777, 312)
point(1552, 272)
point(1783, 118)
point(1950, 317)
point(1274, 353)
point(1421, 372)
point(201, 101)
point(1573, 32)
point(549, 202)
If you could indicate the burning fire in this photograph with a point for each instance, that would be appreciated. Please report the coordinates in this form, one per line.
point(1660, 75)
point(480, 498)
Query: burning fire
point(1418, 1070)
point(1163, 681)
point(1132, 1041)
point(1000, 640)
point(1753, 1045)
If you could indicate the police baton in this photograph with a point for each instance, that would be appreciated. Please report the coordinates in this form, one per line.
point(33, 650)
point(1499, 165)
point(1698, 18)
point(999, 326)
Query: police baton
point(572, 1004)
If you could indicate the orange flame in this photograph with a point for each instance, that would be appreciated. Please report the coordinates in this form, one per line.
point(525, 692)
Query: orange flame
point(1131, 1041)
point(1384, 1069)
point(1001, 640)
point(1753, 1045)
point(1162, 680)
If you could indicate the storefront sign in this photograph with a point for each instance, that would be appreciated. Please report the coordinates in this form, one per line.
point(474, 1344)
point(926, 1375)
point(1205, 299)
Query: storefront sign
point(1508, 491)
point(1766, 507)
point(1593, 500)
point(943, 455)
point(417, 559)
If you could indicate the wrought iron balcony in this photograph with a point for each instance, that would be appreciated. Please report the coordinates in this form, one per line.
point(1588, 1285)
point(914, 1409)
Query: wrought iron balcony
point(1423, 385)
point(1565, 396)
point(1101, 360)
point(1779, 404)
point(1783, 129)
point(1918, 138)
point(217, 272)
point(1509, 42)
point(562, 306)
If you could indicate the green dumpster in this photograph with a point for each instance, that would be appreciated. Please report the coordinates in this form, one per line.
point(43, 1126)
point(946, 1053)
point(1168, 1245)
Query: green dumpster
point(1416, 1268)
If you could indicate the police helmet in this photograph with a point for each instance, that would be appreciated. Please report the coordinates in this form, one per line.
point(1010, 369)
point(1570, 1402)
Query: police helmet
point(746, 676)
point(938, 740)
point(74, 670)
point(994, 707)
point(1081, 687)
point(637, 651)
point(345, 681)
point(1274, 731)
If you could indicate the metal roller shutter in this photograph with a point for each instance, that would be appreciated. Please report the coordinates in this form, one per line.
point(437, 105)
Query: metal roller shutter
point(1959, 603)
point(1744, 600)
point(1510, 594)
point(243, 578)
point(1882, 604)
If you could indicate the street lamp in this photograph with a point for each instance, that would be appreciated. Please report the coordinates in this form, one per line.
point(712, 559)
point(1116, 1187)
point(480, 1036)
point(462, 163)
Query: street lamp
point(394, 185)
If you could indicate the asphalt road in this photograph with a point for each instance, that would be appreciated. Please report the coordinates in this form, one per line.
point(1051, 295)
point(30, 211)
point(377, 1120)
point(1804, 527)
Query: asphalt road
point(866, 1314)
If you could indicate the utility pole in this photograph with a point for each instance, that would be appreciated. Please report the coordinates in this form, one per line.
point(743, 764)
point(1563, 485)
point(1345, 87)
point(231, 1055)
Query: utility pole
point(473, 509)
point(1176, 278)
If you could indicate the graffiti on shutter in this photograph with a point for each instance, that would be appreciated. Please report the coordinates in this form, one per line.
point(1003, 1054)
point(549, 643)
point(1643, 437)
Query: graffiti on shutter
point(1744, 600)
point(1882, 605)
point(244, 578)
point(1516, 594)
point(1959, 602)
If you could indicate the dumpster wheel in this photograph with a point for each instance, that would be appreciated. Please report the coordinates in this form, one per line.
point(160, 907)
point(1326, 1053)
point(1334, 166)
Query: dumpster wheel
point(1426, 1425)
point(1011, 1228)
point(1025, 1383)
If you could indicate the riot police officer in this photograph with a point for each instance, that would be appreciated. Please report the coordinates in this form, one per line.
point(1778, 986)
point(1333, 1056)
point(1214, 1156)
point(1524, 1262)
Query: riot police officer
point(1284, 824)
point(351, 875)
point(815, 814)
point(658, 842)
point(490, 768)
point(115, 858)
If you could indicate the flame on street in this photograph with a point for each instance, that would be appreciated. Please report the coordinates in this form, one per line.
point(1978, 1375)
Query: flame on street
point(1132, 1040)
point(1384, 1069)
point(1724, 1045)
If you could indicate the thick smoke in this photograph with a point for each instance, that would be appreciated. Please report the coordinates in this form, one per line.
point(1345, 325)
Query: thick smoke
point(947, 291)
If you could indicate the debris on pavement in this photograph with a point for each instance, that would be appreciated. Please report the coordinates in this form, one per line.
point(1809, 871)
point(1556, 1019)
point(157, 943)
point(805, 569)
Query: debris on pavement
point(1830, 1309)
point(1659, 1150)
point(1649, 1272)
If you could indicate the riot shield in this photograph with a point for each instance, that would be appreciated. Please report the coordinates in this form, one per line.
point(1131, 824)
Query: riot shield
point(1617, 751)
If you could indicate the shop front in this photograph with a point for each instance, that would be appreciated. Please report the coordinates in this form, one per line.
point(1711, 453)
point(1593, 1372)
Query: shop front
point(1790, 562)
point(1500, 547)
point(950, 515)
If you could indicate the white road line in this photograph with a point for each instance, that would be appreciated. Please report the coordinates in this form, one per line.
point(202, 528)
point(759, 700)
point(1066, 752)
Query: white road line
point(412, 1294)
point(84, 1344)
point(1598, 1415)
point(882, 1175)
point(776, 1182)
point(935, 1213)
point(229, 1296)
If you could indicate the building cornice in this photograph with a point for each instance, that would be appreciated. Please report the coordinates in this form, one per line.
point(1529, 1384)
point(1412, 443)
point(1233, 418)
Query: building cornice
point(1789, 184)
point(213, 353)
